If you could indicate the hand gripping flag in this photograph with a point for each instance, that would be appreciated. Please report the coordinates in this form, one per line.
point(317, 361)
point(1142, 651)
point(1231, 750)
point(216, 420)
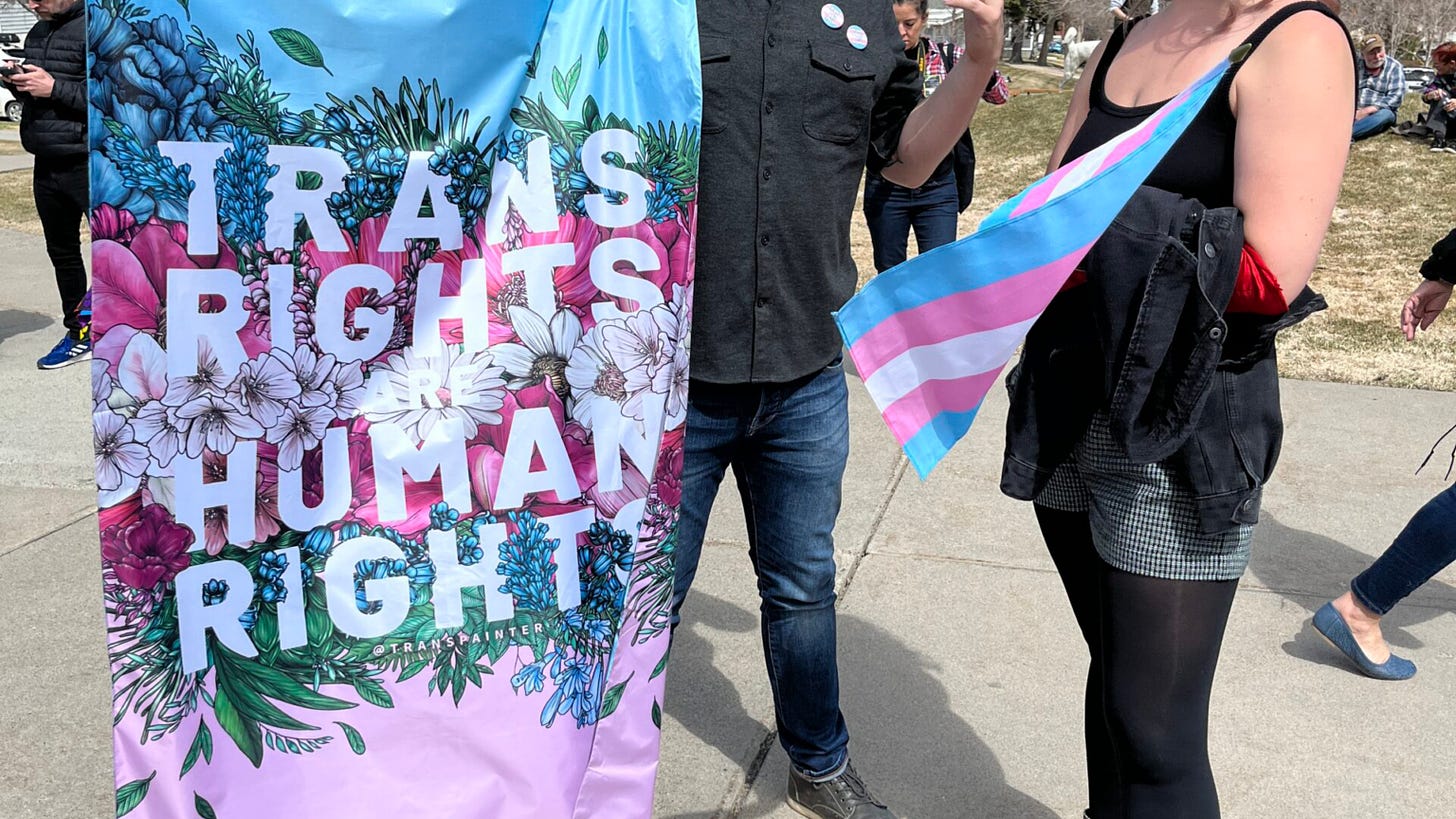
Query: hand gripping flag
point(929, 337)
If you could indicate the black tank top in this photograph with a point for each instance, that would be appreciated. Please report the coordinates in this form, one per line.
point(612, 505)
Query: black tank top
point(1201, 163)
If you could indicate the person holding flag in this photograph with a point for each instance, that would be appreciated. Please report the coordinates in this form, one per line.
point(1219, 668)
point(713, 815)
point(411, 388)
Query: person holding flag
point(1149, 522)
point(795, 97)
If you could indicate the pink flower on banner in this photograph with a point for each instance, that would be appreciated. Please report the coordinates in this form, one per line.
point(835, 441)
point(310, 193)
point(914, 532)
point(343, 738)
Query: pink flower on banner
point(265, 509)
point(401, 266)
point(486, 452)
point(672, 241)
point(572, 283)
point(669, 468)
point(147, 551)
point(364, 507)
point(129, 286)
point(107, 222)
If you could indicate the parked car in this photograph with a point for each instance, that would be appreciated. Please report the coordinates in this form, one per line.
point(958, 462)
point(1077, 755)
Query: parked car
point(1416, 78)
point(9, 105)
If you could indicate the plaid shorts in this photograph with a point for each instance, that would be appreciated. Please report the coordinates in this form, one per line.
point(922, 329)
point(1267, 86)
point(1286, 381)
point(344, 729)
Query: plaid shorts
point(1143, 516)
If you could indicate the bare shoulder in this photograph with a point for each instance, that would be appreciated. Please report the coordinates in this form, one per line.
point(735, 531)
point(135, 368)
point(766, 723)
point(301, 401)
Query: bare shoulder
point(1305, 51)
point(1306, 36)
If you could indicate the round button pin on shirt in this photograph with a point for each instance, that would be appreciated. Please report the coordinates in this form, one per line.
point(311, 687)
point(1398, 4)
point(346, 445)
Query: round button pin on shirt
point(857, 37)
point(832, 15)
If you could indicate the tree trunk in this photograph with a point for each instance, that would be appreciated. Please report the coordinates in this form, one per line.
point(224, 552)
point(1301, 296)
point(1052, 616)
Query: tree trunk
point(1018, 41)
point(1047, 26)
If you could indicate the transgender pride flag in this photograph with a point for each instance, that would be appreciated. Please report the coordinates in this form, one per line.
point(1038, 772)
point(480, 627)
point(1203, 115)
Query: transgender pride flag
point(931, 336)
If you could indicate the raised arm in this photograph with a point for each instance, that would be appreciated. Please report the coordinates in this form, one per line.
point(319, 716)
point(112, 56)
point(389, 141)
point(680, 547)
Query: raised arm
point(1286, 180)
point(936, 123)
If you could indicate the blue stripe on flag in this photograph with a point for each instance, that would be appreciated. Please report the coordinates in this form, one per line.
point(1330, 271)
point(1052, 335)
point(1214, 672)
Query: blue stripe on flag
point(936, 438)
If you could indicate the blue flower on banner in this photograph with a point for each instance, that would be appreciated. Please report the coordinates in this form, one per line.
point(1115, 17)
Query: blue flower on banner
point(576, 691)
point(272, 565)
point(350, 530)
point(377, 569)
point(526, 563)
point(275, 592)
point(442, 517)
point(214, 592)
point(242, 187)
point(530, 678)
point(468, 550)
point(249, 618)
point(663, 201)
point(149, 80)
point(318, 542)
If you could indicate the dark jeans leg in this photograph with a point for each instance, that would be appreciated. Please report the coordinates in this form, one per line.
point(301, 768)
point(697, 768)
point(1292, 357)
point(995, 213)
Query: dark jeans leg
point(934, 213)
point(1069, 540)
point(1426, 546)
point(788, 445)
point(61, 200)
point(790, 477)
point(1161, 641)
point(887, 214)
point(1438, 120)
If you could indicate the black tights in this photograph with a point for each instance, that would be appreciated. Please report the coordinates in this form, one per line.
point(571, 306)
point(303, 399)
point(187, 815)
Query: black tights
point(1154, 646)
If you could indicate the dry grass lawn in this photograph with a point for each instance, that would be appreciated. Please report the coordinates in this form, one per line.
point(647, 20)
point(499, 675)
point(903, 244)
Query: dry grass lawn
point(1395, 204)
point(17, 205)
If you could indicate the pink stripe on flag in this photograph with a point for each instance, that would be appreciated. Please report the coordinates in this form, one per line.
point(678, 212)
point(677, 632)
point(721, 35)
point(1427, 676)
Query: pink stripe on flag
point(907, 416)
point(1008, 301)
point(1044, 192)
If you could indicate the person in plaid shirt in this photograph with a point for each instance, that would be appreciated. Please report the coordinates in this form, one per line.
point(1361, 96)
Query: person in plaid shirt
point(1441, 94)
point(1379, 85)
point(931, 209)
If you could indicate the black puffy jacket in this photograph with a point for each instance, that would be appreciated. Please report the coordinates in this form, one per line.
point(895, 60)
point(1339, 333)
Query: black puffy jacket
point(56, 125)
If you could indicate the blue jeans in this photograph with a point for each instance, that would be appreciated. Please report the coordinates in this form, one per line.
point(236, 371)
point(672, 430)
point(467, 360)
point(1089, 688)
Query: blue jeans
point(1426, 546)
point(1373, 124)
point(891, 211)
point(787, 444)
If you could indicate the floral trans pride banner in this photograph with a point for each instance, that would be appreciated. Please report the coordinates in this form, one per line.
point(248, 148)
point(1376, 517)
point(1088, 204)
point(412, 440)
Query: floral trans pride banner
point(391, 313)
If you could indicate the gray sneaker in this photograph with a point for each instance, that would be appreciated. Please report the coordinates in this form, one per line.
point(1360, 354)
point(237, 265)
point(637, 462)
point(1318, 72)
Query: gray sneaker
point(840, 797)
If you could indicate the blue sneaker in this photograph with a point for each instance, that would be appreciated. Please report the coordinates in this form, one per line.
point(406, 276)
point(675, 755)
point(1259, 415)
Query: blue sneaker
point(1329, 623)
point(68, 350)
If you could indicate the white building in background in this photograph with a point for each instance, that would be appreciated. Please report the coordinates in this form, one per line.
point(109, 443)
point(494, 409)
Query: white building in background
point(15, 19)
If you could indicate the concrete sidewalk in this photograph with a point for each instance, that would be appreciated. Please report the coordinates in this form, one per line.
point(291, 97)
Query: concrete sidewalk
point(962, 668)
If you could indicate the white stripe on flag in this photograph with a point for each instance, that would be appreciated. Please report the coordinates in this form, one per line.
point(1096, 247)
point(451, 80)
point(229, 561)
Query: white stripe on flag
point(953, 358)
point(1090, 164)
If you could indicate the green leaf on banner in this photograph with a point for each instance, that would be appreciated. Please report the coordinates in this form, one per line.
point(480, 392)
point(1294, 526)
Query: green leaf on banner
point(661, 665)
point(533, 62)
point(201, 747)
point(558, 84)
point(203, 808)
point(188, 11)
point(310, 180)
point(356, 740)
point(372, 692)
point(572, 78)
point(131, 794)
point(602, 47)
point(245, 732)
point(613, 697)
point(656, 714)
point(300, 48)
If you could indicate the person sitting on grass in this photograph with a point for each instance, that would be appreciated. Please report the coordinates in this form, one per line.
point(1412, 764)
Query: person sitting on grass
point(1441, 94)
point(1379, 87)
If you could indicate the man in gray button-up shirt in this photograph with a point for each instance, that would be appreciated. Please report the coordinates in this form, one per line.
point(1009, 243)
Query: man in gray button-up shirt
point(796, 93)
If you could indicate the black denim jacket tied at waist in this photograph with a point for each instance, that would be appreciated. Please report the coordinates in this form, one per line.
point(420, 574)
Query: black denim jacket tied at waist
point(1146, 340)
